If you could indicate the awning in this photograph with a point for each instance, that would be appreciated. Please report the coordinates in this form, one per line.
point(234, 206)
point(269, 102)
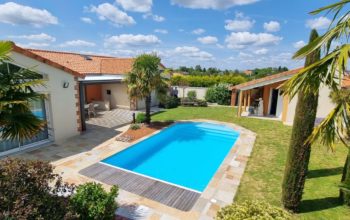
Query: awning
point(102, 79)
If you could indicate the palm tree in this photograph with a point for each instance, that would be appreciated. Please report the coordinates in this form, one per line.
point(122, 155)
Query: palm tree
point(17, 122)
point(145, 78)
point(329, 71)
point(340, 97)
point(299, 150)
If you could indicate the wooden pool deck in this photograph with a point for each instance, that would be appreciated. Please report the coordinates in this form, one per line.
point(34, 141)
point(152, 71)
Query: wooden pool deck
point(167, 194)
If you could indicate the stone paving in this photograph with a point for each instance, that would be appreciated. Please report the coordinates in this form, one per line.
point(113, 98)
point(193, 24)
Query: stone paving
point(114, 117)
point(82, 151)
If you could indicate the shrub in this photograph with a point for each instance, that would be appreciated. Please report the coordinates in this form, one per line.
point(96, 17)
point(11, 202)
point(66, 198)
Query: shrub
point(91, 201)
point(170, 102)
point(30, 190)
point(210, 95)
point(207, 80)
point(192, 95)
point(201, 103)
point(140, 117)
point(219, 94)
point(252, 210)
point(135, 126)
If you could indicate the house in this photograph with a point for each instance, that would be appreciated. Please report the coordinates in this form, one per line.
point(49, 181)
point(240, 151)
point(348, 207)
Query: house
point(262, 97)
point(72, 81)
point(248, 72)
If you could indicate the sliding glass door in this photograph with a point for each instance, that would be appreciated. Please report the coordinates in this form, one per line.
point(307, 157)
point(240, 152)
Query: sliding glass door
point(39, 110)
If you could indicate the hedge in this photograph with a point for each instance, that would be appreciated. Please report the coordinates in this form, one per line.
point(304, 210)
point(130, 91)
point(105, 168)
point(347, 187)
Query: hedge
point(206, 81)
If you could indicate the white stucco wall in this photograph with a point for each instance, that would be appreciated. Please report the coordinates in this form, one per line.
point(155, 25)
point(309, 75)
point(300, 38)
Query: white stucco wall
point(199, 90)
point(119, 97)
point(61, 102)
point(279, 106)
point(325, 105)
point(154, 102)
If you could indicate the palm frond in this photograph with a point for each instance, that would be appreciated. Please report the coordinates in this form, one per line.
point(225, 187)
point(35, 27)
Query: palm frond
point(329, 71)
point(19, 123)
point(335, 7)
point(333, 127)
point(5, 49)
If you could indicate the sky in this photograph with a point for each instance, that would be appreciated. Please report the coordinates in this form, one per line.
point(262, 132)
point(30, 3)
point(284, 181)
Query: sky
point(226, 34)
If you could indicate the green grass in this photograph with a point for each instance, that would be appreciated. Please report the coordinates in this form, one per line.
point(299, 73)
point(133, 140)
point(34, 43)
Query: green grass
point(263, 176)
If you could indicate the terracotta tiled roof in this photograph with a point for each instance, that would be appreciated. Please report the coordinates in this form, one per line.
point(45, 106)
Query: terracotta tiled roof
point(118, 65)
point(32, 55)
point(88, 64)
point(267, 78)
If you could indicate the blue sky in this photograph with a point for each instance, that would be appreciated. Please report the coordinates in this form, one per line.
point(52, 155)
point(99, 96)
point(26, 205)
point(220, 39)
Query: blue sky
point(232, 34)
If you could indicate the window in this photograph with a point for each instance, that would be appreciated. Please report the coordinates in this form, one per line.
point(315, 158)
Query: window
point(39, 110)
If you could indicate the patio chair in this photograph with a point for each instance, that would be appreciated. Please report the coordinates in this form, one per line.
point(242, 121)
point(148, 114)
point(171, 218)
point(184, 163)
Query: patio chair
point(91, 110)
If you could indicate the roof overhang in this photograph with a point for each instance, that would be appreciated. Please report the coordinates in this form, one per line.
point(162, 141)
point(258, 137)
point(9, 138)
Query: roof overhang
point(267, 80)
point(264, 83)
point(105, 78)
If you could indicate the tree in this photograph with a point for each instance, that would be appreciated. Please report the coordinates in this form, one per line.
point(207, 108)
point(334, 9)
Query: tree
point(17, 122)
point(145, 78)
point(31, 190)
point(299, 149)
point(330, 70)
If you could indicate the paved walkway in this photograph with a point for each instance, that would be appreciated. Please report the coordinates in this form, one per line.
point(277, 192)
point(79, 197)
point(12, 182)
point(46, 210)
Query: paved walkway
point(93, 137)
point(115, 117)
point(112, 118)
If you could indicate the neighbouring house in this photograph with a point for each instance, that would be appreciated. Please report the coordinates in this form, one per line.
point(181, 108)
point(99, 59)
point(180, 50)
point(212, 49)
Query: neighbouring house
point(262, 97)
point(248, 72)
point(72, 82)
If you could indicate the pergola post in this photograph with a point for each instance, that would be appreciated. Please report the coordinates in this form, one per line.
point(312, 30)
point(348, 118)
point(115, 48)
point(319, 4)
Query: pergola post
point(245, 100)
point(249, 94)
point(239, 112)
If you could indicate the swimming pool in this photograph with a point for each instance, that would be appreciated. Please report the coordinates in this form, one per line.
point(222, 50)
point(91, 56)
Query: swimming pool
point(185, 154)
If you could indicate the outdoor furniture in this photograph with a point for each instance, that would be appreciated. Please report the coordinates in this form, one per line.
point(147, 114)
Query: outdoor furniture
point(104, 105)
point(91, 110)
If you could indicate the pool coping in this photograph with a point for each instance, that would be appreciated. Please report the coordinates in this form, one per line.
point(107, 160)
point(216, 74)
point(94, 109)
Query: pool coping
point(220, 190)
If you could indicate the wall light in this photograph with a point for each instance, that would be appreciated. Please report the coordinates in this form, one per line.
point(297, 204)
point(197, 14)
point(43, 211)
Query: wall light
point(65, 85)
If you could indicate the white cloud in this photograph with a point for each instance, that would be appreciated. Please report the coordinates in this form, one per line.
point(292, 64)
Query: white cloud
point(318, 23)
point(239, 40)
point(36, 37)
point(86, 20)
point(161, 31)
point(156, 18)
point(77, 43)
point(198, 31)
point(251, 60)
point(16, 14)
point(272, 26)
point(34, 45)
point(239, 24)
point(299, 44)
point(261, 51)
point(125, 53)
point(193, 52)
point(244, 55)
point(208, 40)
point(136, 5)
point(111, 13)
point(211, 4)
point(138, 40)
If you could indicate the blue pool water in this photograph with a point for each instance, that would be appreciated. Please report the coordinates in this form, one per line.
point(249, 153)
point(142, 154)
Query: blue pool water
point(186, 154)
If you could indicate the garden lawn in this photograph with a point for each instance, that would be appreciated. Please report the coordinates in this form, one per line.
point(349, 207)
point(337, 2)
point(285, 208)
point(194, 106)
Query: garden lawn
point(264, 172)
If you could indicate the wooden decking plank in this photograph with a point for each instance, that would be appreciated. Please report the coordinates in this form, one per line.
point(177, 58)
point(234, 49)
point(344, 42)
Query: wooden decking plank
point(167, 194)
